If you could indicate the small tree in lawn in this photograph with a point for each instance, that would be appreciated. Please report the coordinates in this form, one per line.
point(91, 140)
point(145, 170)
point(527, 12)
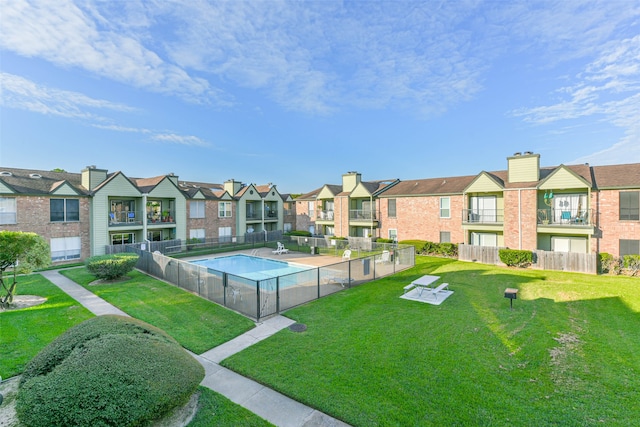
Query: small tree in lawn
point(25, 252)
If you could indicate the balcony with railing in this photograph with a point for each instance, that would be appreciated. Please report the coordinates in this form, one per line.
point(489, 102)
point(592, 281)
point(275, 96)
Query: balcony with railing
point(270, 214)
point(483, 216)
point(163, 217)
point(565, 217)
point(364, 215)
point(125, 218)
point(325, 215)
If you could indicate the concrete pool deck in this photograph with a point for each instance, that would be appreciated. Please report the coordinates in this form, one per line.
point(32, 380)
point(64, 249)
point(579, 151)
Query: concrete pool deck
point(274, 407)
point(263, 252)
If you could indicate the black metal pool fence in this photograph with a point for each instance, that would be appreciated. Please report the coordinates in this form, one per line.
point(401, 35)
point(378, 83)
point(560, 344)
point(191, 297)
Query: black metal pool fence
point(258, 299)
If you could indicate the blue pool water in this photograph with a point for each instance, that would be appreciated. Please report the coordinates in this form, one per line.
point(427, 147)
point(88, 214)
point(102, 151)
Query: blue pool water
point(251, 267)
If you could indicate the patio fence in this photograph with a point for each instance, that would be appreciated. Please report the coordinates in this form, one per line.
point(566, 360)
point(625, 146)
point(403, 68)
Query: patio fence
point(257, 299)
point(542, 260)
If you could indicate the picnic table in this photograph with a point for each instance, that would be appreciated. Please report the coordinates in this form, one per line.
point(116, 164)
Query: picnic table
point(422, 283)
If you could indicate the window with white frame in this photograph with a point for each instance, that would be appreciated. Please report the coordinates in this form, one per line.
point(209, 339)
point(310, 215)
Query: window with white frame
point(312, 209)
point(393, 234)
point(224, 234)
point(483, 209)
point(65, 248)
point(197, 233)
point(196, 209)
point(224, 210)
point(569, 244)
point(484, 239)
point(7, 210)
point(445, 237)
point(64, 210)
point(445, 207)
point(287, 227)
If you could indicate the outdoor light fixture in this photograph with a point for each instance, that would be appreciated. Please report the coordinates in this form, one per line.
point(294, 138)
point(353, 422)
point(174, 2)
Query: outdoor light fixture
point(548, 197)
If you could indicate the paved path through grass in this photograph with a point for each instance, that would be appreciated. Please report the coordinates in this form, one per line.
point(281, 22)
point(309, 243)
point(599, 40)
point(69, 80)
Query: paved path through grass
point(264, 402)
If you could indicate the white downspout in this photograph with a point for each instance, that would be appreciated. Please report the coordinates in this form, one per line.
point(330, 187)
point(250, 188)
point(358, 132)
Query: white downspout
point(144, 218)
point(520, 218)
point(262, 216)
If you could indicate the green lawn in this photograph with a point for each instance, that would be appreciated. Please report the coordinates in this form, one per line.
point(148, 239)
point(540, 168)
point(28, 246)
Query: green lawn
point(23, 333)
point(215, 409)
point(197, 324)
point(567, 354)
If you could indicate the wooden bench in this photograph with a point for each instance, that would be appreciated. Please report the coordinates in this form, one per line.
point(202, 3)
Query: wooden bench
point(435, 291)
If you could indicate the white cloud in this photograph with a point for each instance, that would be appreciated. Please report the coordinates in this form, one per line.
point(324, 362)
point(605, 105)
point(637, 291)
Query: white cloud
point(23, 94)
point(180, 139)
point(63, 33)
point(20, 93)
point(607, 89)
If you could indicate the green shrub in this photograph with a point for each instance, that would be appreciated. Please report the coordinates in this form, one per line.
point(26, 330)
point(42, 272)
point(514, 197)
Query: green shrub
point(515, 257)
point(383, 240)
point(605, 262)
point(447, 249)
point(110, 267)
point(107, 371)
point(417, 244)
point(632, 263)
point(430, 248)
point(298, 233)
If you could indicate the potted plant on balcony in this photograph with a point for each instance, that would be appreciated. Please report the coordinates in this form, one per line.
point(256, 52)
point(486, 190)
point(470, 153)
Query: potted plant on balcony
point(165, 216)
point(544, 219)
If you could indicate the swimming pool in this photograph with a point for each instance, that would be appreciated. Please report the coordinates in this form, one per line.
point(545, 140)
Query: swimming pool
point(251, 267)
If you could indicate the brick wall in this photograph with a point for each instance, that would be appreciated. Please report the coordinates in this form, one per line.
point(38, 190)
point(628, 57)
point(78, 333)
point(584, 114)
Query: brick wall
point(303, 221)
point(520, 219)
point(33, 215)
point(211, 222)
point(610, 228)
point(418, 218)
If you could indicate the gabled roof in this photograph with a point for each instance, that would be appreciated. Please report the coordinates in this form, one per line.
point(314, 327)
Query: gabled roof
point(30, 181)
point(146, 185)
point(311, 195)
point(265, 189)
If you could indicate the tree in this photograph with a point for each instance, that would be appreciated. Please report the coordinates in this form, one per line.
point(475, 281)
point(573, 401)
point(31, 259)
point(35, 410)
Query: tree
point(24, 252)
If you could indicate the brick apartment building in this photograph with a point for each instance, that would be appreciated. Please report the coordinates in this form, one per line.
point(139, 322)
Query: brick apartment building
point(79, 214)
point(577, 208)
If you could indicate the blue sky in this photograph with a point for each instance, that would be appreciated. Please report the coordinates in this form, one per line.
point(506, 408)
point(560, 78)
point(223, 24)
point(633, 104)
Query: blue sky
point(299, 93)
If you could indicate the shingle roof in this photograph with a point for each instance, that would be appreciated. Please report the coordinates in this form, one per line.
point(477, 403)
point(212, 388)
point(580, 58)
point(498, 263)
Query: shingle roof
point(617, 176)
point(311, 195)
point(30, 181)
point(415, 187)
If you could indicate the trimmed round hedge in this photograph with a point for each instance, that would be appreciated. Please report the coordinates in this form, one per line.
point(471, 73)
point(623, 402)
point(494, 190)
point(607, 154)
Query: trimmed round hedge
point(107, 371)
point(110, 267)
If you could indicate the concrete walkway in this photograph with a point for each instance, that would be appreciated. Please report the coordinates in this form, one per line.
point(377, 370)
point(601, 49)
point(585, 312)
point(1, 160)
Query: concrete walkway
point(263, 401)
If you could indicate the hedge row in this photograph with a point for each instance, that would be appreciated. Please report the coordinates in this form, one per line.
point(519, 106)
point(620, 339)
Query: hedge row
point(430, 248)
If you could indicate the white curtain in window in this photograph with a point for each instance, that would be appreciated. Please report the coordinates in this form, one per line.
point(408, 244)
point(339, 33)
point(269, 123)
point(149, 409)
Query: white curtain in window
point(569, 206)
point(63, 248)
point(484, 208)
